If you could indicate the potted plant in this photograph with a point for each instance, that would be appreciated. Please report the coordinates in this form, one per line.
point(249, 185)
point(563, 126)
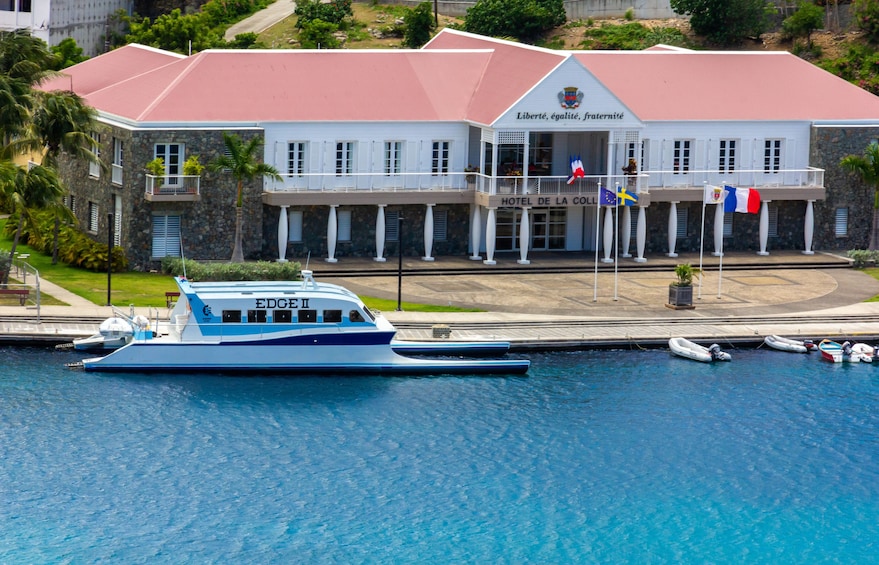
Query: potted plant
point(191, 166)
point(680, 292)
point(471, 178)
point(156, 167)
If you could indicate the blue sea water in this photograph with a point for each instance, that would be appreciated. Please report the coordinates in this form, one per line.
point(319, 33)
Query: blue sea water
point(594, 456)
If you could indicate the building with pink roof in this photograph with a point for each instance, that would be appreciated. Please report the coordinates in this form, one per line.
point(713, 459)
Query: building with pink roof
point(472, 140)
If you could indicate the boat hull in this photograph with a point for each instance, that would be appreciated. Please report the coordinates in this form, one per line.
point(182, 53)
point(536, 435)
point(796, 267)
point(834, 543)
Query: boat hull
point(789, 345)
point(689, 350)
point(836, 353)
point(250, 357)
point(464, 348)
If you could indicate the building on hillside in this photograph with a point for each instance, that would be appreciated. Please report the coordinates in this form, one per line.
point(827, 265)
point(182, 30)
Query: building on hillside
point(54, 20)
point(465, 148)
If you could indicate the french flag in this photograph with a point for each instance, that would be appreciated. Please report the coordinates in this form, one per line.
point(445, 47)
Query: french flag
point(577, 171)
point(743, 200)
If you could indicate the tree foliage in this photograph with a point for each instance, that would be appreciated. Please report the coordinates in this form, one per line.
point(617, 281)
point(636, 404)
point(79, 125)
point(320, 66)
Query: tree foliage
point(867, 15)
point(804, 21)
point(726, 21)
point(521, 19)
point(419, 23)
point(333, 12)
point(67, 54)
point(866, 167)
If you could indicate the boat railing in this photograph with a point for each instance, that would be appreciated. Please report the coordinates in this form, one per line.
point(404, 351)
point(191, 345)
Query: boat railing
point(246, 330)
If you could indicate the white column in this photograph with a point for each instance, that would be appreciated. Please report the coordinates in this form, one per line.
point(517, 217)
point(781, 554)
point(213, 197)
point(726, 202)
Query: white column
point(764, 227)
point(524, 238)
point(490, 229)
point(718, 230)
point(332, 233)
point(283, 228)
point(672, 229)
point(626, 229)
point(475, 232)
point(608, 234)
point(641, 235)
point(380, 234)
point(809, 228)
point(428, 233)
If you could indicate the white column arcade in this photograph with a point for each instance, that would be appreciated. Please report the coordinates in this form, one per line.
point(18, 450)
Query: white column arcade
point(672, 229)
point(641, 234)
point(626, 229)
point(428, 233)
point(475, 232)
point(608, 234)
point(283, 232)
point(332, 233)
point(380, 234)
point(718, 231)
point(524, 238)
point(809, 228)
point(764, 227)
point(490, 229)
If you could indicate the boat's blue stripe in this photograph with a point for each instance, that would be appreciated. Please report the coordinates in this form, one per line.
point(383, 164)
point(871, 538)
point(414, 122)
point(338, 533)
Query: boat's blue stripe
point(348, 338)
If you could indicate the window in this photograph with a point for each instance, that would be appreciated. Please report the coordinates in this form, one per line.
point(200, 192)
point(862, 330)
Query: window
point(344, 158)
point(24, 5)
point(231, 316)
point(439, 161)
point(294, 226)
point(540, 154)
point(95, 168)
point(683, 216)
point(440, 225)
point(166, 236)
point(70, 202)
point(172, 154)
point(282, 316)
point(773, 221)
point(841, 228)
point(116, 169)
point(332, 316)
point(117, 220)
point(727, 224)
point(772, 156)
point(392, 226)
point(727, 156)
point(355, 316)
point(393, 157)
point(256, 316)
point(343, 225)
point(306, 316)
point(93, 218)
point(681, 156)
point(296, 158)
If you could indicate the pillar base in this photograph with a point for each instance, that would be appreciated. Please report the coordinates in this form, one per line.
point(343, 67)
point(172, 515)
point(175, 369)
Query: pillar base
point(476, 257)
point(281, 260)
point(331, 260)
point(763, 253)
point(640, 260)
point(379, 259)
point(716, 254)
point(523, 262)
point(808, 252)
point(607, 260)
point(626, 255)
point(487, 262)
point(427, 258)
point(671, 254)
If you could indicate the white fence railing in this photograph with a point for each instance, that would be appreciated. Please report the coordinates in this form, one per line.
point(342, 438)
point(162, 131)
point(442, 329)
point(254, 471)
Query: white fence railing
point(173, 185)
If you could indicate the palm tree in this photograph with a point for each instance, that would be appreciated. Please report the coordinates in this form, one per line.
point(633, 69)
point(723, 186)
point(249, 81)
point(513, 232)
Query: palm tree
point(240, 159)
point(27, 189)
point(62, 121)
point(866, 166)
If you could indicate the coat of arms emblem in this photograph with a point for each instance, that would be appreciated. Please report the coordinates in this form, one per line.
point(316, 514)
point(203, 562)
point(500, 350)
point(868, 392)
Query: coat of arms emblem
point(570, 97)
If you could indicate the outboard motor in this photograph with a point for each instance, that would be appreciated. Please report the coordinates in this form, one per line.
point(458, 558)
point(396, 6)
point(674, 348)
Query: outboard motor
point(846, 349)
point(715, 351)
point(810, 345)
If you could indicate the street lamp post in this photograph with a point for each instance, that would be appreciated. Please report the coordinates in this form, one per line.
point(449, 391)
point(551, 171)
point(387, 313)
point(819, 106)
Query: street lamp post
point(399, 263)
point(109, 255)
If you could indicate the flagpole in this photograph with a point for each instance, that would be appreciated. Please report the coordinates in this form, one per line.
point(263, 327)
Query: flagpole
point(597, 222)
point(702, 236)
point(616, 235)
point(720, 269)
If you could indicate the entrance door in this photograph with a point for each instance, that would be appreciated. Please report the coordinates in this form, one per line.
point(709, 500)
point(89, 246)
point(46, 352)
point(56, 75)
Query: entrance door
point(548, 228)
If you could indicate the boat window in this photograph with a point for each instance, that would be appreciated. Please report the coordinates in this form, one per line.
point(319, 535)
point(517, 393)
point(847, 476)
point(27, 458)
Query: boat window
point(282, 316)
point(307, 316)
point(256, 316)
point(369, 313)
point(332, 316)
point(355, 316)
point(231, 316)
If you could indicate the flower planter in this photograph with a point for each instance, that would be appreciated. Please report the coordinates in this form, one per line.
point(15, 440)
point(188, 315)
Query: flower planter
point(680, 297)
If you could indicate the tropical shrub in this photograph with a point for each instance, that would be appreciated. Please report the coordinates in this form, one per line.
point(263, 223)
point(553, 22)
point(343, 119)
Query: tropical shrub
point(866, 13)
point(726, 21)
point(520, 19)
point(863, 258)
point(255, 271)
point(333, 12)
point(419, 23)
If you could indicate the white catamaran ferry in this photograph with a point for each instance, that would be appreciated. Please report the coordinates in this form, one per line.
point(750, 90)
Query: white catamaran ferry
point(282, 326)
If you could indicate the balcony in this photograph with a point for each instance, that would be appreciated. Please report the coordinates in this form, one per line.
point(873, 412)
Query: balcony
point(173, 188)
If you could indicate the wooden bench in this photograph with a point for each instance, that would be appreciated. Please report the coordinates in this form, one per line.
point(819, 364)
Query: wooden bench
point(171, 298)
point(22, 293)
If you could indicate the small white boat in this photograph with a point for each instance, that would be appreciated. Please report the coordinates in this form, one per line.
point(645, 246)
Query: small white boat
point(685, 348)
point(866, 351)
point(113, 333)
point(787, 344)
point(844, 352)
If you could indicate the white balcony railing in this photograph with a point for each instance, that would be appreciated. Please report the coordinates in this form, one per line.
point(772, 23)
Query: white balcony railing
point(173, 185)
